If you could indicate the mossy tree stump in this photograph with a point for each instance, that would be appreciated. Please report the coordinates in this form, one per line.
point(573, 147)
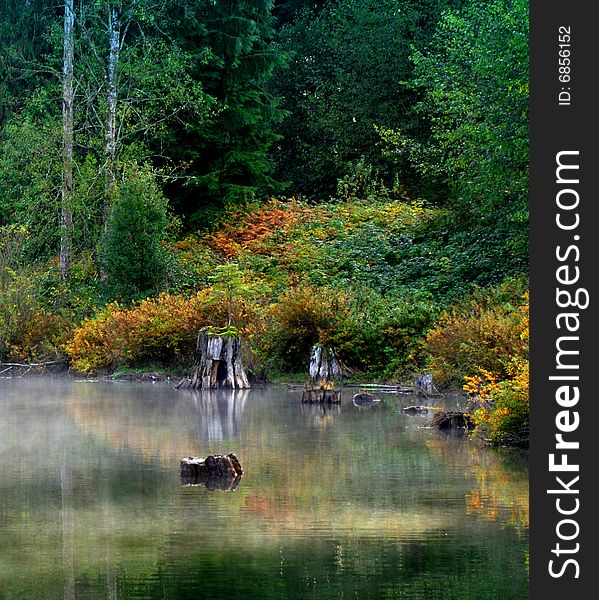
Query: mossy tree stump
point(218, 360)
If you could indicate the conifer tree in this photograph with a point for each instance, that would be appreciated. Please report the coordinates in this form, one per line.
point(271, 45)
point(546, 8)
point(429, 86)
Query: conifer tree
point(228, 154)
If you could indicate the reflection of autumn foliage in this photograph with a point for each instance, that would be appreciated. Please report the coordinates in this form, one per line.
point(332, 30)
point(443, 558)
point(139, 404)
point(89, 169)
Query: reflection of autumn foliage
point(498, 493)
point(496, 497)
point(127, 431)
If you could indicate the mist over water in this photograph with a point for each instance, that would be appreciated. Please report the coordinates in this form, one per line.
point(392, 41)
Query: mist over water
point(339, 502)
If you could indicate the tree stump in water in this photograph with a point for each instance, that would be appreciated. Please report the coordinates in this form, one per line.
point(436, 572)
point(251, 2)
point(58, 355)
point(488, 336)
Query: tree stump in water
point(424, 385)
point(314, 396)
point(325, 365)
point(452, 420)
point(218, 360)
point(217, 471)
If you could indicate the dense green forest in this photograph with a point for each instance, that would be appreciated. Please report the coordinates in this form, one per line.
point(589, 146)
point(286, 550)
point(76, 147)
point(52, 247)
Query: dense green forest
point(345, 172)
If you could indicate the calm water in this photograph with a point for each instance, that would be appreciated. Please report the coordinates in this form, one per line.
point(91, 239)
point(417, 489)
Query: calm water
point(343, 503)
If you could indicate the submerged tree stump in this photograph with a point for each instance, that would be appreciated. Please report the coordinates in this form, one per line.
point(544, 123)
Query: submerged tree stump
point(217, 471)
point(452, 420)
point(321, 395)
point(325, 365)
point(218, 360)
point(364, 400)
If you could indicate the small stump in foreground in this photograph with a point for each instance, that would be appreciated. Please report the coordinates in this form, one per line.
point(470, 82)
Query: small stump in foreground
point(217, 471)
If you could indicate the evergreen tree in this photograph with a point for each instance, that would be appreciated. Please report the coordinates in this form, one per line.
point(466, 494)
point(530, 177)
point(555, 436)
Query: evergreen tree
point(227, 155)
point(133, 257)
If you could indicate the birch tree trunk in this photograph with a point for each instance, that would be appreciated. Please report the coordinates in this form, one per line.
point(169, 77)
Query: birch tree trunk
point(114, 23)
point(66, 214)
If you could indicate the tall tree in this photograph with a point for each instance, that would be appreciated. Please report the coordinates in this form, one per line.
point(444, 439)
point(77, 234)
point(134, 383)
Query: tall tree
point(227, 155)
point(114, 37)
point(66, 214)
point(473, 80)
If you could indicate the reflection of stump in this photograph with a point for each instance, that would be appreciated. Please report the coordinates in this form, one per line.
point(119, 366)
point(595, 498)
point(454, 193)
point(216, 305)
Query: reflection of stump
point(218, 360)
point(215, 472)
point(452, 420)
point(325, 365)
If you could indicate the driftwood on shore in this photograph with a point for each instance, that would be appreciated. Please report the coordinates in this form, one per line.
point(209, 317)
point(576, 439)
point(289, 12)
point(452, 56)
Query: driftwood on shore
point(218, 363)
point(22, 369)
point(218, 471)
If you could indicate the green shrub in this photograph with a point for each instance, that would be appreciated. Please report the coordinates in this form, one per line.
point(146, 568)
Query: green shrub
point(133, 257)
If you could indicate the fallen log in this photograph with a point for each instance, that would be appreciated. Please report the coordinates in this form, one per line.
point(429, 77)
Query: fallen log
point(446, 421)
point(22, 369)
point(419, 410)
point(383, 387)
point(217, 471)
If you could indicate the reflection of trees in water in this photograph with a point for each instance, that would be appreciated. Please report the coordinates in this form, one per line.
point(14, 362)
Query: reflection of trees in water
point(219, 413)
point(499, 479)
point(149, 422)
point(320, 414)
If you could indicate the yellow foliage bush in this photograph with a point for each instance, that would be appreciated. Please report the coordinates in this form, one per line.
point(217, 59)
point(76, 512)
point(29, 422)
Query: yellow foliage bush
point(484, 343)
point(161, 329)
point(41, 337)
point(503, 414)
point(478, 335)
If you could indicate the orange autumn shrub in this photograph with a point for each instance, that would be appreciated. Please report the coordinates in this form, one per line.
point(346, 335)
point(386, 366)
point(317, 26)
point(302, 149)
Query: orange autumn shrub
point(161, 329)
point(251, 231)
point(41, 338)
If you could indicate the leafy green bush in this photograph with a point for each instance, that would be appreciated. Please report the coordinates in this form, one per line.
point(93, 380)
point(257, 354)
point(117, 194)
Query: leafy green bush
point(377, 336)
